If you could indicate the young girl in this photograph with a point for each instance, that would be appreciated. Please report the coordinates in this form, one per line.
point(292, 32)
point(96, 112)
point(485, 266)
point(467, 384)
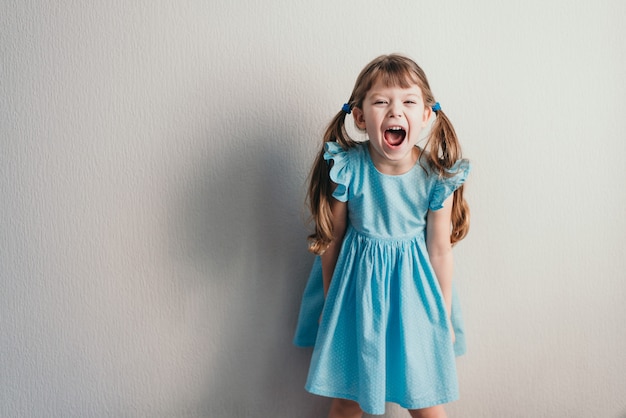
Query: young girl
point(379, 306)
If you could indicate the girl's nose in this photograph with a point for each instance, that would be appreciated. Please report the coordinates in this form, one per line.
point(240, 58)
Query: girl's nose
point(395, 112)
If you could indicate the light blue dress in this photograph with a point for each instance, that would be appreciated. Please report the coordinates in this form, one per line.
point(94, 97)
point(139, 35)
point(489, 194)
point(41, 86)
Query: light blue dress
point(383, 335)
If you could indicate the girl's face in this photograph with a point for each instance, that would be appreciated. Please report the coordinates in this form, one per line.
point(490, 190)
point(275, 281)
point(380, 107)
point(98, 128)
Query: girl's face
point(393, 118)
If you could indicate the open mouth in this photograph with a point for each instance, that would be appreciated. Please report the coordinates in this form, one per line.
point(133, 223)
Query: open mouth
point(395, 135)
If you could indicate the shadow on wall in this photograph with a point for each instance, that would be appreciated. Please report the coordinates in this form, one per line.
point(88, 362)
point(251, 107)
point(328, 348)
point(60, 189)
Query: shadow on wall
point(239, 250)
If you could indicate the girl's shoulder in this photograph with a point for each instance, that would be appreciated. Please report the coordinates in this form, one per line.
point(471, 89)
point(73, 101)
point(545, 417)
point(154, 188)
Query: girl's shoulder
point(460, 168)
point(349, 158)
point(333, 149)
point(445, 183)
point(345, 166)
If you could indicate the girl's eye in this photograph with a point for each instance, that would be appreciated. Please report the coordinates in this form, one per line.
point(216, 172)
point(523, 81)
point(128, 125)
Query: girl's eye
point(410, 102)
point(380, 102)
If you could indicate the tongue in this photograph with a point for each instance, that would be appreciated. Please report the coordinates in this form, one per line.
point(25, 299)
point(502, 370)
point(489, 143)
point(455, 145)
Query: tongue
point(394, 137)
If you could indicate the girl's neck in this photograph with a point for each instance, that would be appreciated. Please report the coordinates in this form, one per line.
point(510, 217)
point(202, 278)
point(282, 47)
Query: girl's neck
point(394, 168)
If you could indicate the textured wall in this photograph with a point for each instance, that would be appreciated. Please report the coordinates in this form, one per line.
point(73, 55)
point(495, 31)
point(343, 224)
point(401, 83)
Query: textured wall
point(153, 156)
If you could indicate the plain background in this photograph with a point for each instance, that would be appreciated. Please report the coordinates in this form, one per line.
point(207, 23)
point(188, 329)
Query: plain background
point(152, 170)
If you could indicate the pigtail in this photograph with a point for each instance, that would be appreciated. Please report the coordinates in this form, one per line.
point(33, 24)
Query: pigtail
point(445, 150)
point(460, 217)
point(320, 189)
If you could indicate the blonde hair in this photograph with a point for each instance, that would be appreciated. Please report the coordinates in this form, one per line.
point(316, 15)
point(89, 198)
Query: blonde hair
point(442, 146)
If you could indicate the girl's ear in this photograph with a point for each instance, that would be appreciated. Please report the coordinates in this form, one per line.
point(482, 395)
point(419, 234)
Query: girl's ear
point(427, 113)
point(359, 120)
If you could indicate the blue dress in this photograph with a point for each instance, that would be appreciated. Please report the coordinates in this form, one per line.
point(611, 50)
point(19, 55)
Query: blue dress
point(383, 335)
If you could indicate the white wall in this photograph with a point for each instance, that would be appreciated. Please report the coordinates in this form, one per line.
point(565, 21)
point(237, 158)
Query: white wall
point(153, 157)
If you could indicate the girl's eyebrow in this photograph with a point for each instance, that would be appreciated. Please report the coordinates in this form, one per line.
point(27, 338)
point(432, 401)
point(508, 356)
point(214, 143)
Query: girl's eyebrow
point(378, 94)
point(385, 92)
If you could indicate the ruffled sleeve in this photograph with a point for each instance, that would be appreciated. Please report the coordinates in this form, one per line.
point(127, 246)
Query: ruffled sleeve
point(340, 172)
point(445, 186)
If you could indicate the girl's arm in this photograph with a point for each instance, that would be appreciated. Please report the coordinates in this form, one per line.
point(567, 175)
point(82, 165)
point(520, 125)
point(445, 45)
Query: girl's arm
point(440, 249)
point(329, 257)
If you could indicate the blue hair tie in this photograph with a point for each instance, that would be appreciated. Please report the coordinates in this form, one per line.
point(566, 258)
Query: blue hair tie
point(346, 108)
point(436, 107)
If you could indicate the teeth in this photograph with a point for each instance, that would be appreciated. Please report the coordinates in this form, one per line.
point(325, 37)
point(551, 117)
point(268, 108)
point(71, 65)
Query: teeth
point(395, 128)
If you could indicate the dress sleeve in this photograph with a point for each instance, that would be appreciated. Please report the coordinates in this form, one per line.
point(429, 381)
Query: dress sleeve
point(445, 186)
point(340, 172)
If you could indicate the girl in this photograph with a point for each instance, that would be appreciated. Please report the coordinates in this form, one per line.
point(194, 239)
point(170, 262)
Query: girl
point(379, 306)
